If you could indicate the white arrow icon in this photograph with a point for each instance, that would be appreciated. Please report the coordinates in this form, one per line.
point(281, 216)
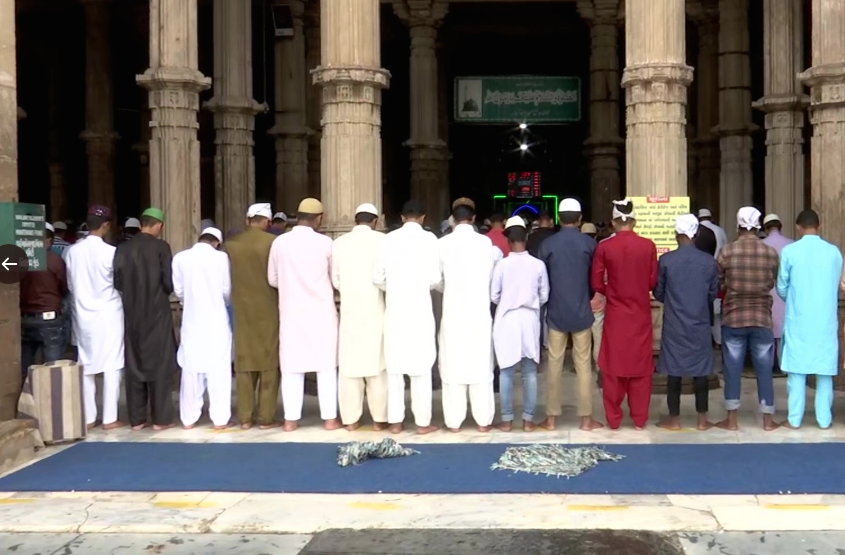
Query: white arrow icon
point(6, 264)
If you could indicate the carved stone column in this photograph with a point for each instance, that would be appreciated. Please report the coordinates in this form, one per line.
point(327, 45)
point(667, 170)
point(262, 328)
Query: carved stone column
point(705, 13)
point(142, 147)
point(314, 94)
point(291, 130)
point(735, 125)
point(174, 83)
point(234, 113)
point(55, 116)
point(429, 155)
point(99, 134)
point(10, 323)
point(826, 80)
point(352, 80)
point(784, 104)
point(656, 78)
point(604, 145)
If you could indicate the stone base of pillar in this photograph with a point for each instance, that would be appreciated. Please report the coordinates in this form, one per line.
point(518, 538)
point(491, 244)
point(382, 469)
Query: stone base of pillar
point(604, 175)
point(429, 162)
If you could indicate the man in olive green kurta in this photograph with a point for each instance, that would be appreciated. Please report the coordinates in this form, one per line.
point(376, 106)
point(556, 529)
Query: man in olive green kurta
point(256, 327)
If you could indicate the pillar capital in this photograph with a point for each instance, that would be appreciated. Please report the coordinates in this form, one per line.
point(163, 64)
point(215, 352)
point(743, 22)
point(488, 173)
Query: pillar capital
point(827, 82)
point(656, 82)
point(346, 77)
point(782, 103)
point(173, 79)
point(421, 13)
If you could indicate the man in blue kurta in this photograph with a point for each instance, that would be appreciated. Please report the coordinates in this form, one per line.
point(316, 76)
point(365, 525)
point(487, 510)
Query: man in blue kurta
point(687, 285)
point(808, 280)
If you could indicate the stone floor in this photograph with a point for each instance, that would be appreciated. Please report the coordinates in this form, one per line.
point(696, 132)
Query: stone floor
point(240, 513)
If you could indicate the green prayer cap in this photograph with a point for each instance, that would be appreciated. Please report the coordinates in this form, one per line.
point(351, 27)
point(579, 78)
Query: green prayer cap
point(156, 213)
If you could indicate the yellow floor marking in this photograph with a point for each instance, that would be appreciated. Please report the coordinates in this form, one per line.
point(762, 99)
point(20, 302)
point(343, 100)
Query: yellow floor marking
point(375, 506)
point(14, 501)
point(597, 507)
point(183, 505)
point(797, 507)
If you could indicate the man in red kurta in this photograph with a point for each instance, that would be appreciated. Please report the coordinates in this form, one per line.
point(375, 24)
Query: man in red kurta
point(626, 358)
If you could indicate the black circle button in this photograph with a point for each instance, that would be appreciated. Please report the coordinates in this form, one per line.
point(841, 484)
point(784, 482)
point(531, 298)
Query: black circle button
point(13, 264)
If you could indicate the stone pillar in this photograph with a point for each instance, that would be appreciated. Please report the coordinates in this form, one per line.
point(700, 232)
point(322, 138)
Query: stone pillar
point(234, 113)
point(314, 95)
point(56, 119)
point(99, 134)
point(735, 125)
point(826, 79)
point(443, 111)
point(705, 14)
point(784, 104)
point(352, 79)
point(604, 145)
point(174, 83)
point(429, 155)
point(10, 322)
point(291, 129)
point(656, 78)
point(142, 149)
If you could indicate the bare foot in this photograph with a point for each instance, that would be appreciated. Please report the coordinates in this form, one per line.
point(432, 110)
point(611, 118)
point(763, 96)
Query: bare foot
point(588, 424)
point(191, 427)
point(548, 423)
point(789, 426)
point(505, 426)
point(426, 429)
point(246, 425)
point(353, 427)
point(139, 427)
point(332, 424)
point(727, 424)
point(528, 426)
point(114, 425)
point(484, 429)
point(379, 426)
point(639, 428)
point(158, 428)
point(91, 426)
point(703, 423)
point(290, 425)
point(769, 423)
point(396, 428)
point(670, 423)
point(269, 426)
point(454, 430)
point(223, 427)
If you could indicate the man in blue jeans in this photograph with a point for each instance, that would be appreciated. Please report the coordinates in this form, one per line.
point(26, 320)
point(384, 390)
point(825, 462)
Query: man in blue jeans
point(42, 321)
point(748, 270)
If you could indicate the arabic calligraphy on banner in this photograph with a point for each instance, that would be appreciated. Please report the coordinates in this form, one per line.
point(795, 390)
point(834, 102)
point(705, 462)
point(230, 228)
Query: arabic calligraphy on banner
point(656, 218)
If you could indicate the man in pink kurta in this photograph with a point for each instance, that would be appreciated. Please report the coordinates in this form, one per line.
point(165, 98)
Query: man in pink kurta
point(773, 226)
point(300, 268)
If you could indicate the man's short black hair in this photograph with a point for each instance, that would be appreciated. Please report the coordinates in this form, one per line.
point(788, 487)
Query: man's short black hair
point(413, 209)
point(544, 215)
point(149, 221)
point(808, 219)
point(463, 213)
point(277, 220)
point(774, 224)
point(257, 219)
point(95, 222)
point(303, 217)
point(516, 234)
point(497, 218)
point(569, 218)
point(49, 234)
point(365, 218)
point(208, 238)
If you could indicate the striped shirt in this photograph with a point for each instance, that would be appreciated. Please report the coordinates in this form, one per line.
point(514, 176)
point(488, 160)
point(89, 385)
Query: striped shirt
point(748, 270)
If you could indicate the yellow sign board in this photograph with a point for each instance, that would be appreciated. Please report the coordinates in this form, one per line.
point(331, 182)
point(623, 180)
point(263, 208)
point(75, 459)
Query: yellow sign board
point(656, 218)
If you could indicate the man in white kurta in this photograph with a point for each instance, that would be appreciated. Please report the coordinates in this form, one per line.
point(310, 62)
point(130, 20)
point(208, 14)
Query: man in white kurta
point(407, 270)
point(300, 268)
point(202, 282)
point(361, 342)
point(97, 317)
point(467, 259)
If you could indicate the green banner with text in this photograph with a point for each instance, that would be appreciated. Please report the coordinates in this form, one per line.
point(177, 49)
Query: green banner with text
point(518, 99)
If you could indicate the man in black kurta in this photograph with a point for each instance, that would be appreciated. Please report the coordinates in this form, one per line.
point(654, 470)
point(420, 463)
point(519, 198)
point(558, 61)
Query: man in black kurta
point(142, 275)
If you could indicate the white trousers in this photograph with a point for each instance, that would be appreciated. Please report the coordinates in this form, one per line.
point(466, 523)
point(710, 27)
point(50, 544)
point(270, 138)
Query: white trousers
point(420, 399)
point(482, 402)
point(193, 387)
point(111, 396)
point(293, 395)
point(716, 328)
point(350, 396)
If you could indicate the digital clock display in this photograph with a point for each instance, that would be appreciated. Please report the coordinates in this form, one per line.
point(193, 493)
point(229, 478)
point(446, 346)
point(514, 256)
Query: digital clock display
point(525, 185)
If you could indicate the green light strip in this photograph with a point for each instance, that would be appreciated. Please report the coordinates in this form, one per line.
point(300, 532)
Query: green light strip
point(555, 197)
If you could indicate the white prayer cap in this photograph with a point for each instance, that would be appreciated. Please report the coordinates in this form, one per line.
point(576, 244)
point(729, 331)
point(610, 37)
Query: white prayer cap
point(280, 216)
point(687, 224)
point(588, 227)
point(771, 218)
point(367, 208)
point(49, 227)
point(515, 221)
point(260, 209)
point(214, 232)
point(748, 217)
point(60, 225)
point(704, 213)
point(569, 205)
point(618, 215)
point(132, 222)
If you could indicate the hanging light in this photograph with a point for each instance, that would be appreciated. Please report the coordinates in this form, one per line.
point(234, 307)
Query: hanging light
point(523, 126)
point(523, 147)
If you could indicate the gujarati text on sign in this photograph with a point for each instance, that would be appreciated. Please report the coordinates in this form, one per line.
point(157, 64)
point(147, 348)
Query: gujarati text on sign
point(656, 218)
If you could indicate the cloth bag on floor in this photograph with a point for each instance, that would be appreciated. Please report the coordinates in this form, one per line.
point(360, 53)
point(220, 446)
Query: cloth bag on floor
point(52, 396)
